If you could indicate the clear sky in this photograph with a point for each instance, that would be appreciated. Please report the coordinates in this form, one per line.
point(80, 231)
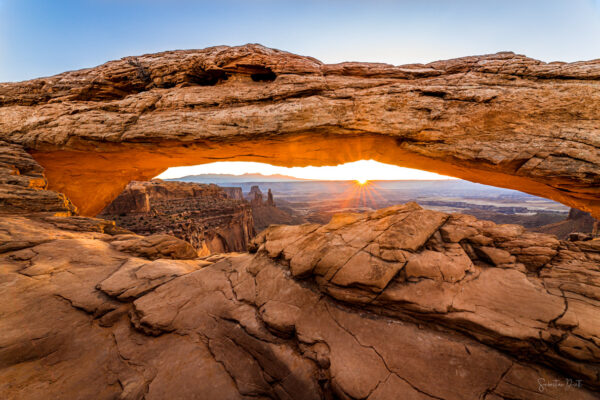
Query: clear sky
point(46, 37)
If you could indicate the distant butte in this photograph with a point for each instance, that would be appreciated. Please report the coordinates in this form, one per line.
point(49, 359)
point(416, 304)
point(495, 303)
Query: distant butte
point(501, 119)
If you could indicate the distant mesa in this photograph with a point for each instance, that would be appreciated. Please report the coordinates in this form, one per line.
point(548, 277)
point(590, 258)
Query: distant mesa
point(577, 222)
point(266, 213)
point(230, 178)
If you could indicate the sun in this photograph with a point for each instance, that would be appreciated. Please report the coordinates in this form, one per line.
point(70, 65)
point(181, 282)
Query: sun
point(362, 181)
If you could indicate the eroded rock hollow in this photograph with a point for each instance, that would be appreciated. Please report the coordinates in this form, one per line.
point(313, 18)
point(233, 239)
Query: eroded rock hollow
point(503, 119)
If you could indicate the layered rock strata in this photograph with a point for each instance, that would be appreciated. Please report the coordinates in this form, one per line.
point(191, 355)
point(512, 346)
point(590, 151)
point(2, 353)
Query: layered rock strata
point(23, 186)
point(204, 215)
point(428, 306)
point(526, 293)
point(502, 119)
point(233, 192)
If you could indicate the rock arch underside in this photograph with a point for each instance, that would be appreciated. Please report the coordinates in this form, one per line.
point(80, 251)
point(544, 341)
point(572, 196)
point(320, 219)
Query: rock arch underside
point(399, 303)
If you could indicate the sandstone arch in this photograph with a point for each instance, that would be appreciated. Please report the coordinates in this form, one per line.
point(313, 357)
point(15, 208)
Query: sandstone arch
point(503, 119)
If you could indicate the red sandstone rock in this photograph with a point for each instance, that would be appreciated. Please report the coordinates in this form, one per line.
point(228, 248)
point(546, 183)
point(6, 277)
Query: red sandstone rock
point(504, 286)
point(501, 119)
point(242, 327)
point(265, 213)
point(23, 185)
point(154, 246)
point(398, 303)
point(437, 309)
point(576, 222)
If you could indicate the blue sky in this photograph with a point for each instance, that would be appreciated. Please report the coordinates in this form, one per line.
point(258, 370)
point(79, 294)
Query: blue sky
point(45, 37)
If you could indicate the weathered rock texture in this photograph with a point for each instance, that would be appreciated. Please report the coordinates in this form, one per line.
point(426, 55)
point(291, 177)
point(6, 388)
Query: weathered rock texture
point(399, 303)
point(203, 215)
point(526, 293)
point(503, 119)
point(427, 306)
point(23, 186)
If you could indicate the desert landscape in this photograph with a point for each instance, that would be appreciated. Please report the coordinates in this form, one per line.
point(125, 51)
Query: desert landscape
point(317, 201)
point(117, 286)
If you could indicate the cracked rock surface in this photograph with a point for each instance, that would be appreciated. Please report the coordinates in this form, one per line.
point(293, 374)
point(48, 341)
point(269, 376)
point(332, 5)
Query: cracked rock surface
point(528, 294)
point(399, 303)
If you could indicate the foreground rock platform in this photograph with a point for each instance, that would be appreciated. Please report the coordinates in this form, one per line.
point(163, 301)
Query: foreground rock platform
point(501, 119)
point(400, 303)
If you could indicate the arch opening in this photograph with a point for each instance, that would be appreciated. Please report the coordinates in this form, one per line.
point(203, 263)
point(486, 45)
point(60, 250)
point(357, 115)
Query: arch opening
point(219, 207)
point(93, 176)
point(314, 194)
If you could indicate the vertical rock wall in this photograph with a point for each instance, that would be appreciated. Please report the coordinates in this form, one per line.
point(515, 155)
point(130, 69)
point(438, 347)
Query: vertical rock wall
point(211, 218)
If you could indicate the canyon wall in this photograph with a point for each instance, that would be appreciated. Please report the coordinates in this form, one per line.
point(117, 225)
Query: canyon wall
point(204, 215)
point(233, 192)
point(502, 119)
